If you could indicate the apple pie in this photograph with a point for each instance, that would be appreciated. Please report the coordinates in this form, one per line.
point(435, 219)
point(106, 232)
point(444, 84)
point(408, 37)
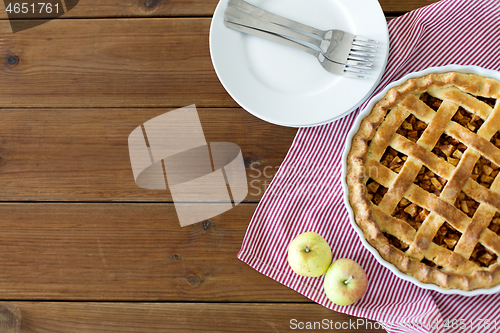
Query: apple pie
point(422, 175)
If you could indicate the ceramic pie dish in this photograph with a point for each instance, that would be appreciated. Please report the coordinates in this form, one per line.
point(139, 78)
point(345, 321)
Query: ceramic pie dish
point(420, 179)
point(288, 87)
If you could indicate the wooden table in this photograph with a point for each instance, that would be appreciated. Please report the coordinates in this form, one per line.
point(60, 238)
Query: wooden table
point(82, 248)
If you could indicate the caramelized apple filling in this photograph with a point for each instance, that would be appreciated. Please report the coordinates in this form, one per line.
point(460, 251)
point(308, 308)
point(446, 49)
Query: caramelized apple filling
point(449, 149)
point(490, 101)
point(374, 191)
point(496, 139)
point(495, 224)
point(393, 159)
point(466, 204)
point(433, 102)
point(447, 236)
point(429, 263)
point(484, 172)
point(482, 256)
point(396, 242)
point(429, 181)
point(468, 120)
point(411, 213)
point(412, 128)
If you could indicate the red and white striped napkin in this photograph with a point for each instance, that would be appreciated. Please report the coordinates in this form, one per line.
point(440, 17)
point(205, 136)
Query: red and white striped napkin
point(306, 193)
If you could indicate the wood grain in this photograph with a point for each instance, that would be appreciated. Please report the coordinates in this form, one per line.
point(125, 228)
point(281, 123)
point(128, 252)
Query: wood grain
point(110, 63)
point(10, 318)
point(402, 6)
point(82, 154)
point(127, 252)
point(67, 149)
point(181, 317)
point(175, 8)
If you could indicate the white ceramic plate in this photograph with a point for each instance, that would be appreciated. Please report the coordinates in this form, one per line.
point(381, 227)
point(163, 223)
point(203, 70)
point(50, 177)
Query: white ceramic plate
point(363, 114)
point(289, 87)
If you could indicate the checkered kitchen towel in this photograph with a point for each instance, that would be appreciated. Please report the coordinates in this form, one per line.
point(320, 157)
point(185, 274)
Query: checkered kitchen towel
point(306, 193)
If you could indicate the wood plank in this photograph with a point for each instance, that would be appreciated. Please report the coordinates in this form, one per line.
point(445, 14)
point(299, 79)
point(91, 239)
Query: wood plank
point(174, 8)
point(402, 6)
point(127, 252)
point(181, 317)
point(82, 154)
point(110, 63)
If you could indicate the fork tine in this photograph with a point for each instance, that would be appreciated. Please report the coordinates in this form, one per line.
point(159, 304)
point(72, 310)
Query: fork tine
point(359, 64)
point(364, 44)
point(364, 39)
point(363, 49)
point(362, 55)
point(354, 70)
point(365, 61)
point(360, 68)
point(369, 66)
point(354, 76)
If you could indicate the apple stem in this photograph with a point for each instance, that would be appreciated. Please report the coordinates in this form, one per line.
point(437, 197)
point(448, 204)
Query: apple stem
point(348, 280)
point(307, 249)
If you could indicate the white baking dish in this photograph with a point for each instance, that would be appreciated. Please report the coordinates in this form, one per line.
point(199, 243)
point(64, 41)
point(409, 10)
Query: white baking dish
point(363, 114)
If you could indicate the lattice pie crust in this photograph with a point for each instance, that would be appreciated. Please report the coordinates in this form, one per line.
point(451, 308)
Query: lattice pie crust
point(423, 180)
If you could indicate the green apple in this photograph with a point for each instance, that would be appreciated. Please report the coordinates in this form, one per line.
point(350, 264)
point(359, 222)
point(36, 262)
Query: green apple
point(345, 282)
point(309, 254)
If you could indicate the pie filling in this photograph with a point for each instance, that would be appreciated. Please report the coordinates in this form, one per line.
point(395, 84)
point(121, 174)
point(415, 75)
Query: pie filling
point(394, 241)
point(468, 120)
point(411, 213)
point(450, 150)
point(482, 256)
point(447, 236)
point(433, 102)
point(466, 204)
point(429, 181)
point(393, 159)
point(495, 224)
point(375, 192)
point(484, 172)
point(412, 128)
point(490, 101)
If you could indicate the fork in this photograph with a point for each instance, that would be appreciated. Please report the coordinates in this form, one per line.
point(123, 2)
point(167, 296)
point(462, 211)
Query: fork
point(336, 45)
point(330, 66)
point(234, 15)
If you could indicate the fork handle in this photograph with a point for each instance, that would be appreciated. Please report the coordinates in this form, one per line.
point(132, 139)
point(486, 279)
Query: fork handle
point(238, 16)
point(271, 37)
point(274, 18)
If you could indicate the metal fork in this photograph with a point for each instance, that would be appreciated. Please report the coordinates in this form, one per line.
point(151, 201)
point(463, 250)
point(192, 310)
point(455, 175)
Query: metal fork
point(336, 45)
point(234, 15)
point(332, 67)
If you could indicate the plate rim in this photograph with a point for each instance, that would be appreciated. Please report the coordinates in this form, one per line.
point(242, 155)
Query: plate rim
point(437, 69)
point(356, 106)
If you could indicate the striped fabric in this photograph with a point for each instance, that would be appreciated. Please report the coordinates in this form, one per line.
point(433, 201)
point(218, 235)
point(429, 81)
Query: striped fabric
point(306, 193)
